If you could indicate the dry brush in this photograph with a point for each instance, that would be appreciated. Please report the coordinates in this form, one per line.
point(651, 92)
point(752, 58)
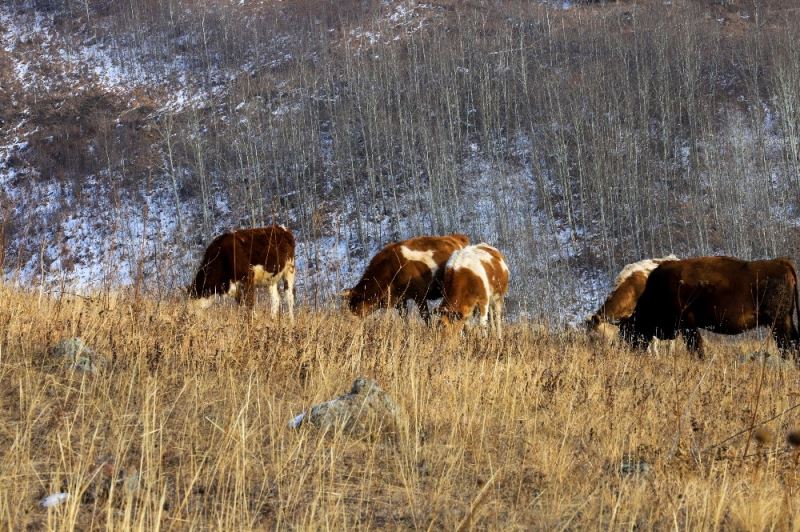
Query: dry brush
point(187, 426)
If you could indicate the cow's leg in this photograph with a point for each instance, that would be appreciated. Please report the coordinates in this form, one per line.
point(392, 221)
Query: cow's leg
point(288, 289)
point(785, 334)
point(424, 311)
point(656, 345)
point(274, 300)
point(694, 342)
point(484, 318)
point(652, 349)
point(402, 307)
point(633, 336)
point(498, 317)
point(246, 292)
point(641, 342)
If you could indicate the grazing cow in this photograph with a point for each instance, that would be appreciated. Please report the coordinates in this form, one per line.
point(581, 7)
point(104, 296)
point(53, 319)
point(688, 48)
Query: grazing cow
point(475, 279)
point(402, 271)
point(235, 263)
point(721, 294)
point(628, 286)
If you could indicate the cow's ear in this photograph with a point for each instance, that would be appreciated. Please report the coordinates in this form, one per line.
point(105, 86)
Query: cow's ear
point(346, 293)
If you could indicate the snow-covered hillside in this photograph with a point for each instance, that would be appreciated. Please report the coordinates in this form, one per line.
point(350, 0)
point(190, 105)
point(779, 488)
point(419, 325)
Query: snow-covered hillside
point(128, 140)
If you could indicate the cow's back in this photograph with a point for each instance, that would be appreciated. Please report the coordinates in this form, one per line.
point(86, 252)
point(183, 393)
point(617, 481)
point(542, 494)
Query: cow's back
point(479, 272)
point(427, 275)
point(723, 294)
point(270, 247)
point(410, 269)
point(416, 261)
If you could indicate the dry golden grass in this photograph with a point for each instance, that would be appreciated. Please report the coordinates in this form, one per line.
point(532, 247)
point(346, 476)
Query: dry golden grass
point(188, 427)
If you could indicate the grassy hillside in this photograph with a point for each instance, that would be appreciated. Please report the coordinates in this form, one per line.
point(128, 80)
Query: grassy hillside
point(187, 427)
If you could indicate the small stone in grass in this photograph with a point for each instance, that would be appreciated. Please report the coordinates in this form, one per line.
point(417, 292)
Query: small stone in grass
point(633, 466)
point(367, 409)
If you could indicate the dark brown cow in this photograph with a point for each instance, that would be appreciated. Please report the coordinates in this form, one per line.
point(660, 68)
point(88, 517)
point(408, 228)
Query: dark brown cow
point(720, 294)
point(235, 263)
point(475, 279)
point(402, 271)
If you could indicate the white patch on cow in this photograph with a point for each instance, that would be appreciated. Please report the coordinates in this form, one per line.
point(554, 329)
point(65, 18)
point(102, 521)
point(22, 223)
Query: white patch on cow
point(472, 258)
point(208, 301)
point(283, 227)
point(477, 259)
point(262, 277)
point(426, 257)
point(645, 266)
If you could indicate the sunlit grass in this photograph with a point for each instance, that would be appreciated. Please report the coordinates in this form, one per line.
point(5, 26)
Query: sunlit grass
point(188, 427)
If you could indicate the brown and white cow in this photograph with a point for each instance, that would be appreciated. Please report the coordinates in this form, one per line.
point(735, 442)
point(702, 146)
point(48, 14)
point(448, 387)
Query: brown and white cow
point(408, 270)
point(475, 280)
point(237, 262)
point(628, 286)
point(721, 294)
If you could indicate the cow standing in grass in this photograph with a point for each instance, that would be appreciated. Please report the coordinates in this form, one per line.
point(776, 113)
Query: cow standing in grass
point(237, 262)
point(628, 286)
point(475, 281)
point(721, 294)
point(402, 271)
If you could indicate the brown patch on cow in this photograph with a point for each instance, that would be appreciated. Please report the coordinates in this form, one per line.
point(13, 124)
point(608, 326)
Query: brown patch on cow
point(721, 294)
point(391, 279)
point(464, 291)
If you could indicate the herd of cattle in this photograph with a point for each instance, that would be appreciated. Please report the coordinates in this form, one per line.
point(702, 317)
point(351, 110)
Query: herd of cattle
point(654, 298)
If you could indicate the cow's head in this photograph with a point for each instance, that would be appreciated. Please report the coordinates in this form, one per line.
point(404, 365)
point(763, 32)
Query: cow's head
point(448, 319)
point(198, 299)
point(204, 293)
point(191, 291)
point(592, 322)
point(199, 286)
point(599, 329)
point(364, 298)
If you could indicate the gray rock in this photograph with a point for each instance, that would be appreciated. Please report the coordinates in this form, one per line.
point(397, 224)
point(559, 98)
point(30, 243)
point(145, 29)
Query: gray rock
point(297, 420)
point(54, 499)
point(365, 411)
point(75, 354)
point(633, 466)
